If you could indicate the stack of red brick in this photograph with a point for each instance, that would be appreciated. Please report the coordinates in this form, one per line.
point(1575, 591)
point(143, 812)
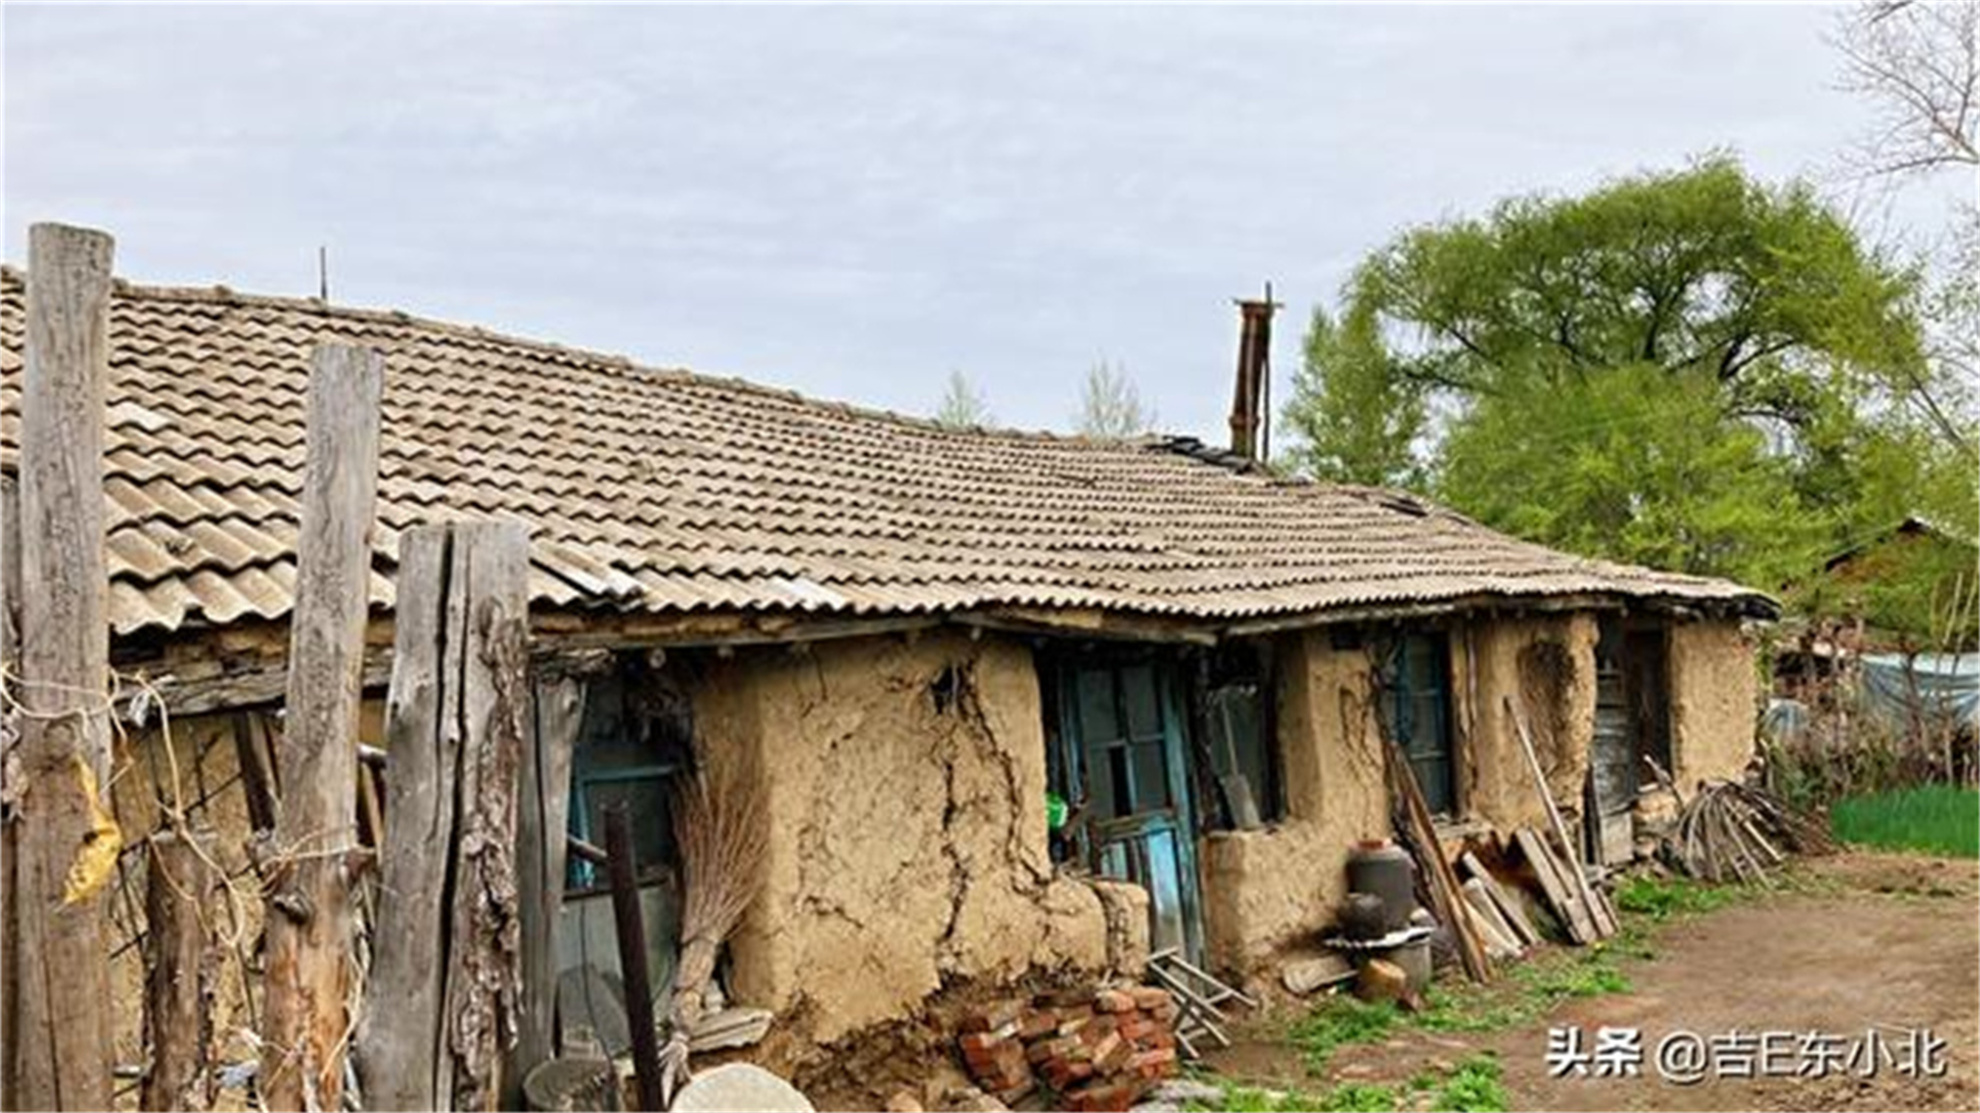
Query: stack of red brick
point(1095, 1049)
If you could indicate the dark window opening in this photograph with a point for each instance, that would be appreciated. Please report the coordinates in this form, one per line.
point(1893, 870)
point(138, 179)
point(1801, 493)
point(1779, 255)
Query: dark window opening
point(1232, 702)
point(1646, 687)
point(1416, 700)
point(637, 737)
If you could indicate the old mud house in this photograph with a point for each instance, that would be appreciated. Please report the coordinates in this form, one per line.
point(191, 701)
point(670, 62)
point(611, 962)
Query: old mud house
point(929, 641)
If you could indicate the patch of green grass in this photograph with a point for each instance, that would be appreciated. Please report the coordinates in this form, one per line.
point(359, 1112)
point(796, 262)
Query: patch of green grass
point(1349, 1097)
point(1338, 1021)
point(1357, 1097)
point(1937, 819)
point(1474, 1087)
point(1661, 898)
point(1529, 991)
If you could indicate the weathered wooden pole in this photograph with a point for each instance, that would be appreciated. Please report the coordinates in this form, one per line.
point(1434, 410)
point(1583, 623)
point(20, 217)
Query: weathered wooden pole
point(67, 845)
point(10, 736)
point(542, 830)
point(446, 972)
point(179, 967)
point(307, 981)
point(622, 867)
point(484, 976)
point(400, 1052)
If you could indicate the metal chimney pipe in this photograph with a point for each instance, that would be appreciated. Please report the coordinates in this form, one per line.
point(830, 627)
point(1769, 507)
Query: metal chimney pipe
point(1254, 360)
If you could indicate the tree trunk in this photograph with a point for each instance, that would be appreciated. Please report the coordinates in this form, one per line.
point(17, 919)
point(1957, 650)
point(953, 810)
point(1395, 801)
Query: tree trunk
point(308, 923)
point(67, 843)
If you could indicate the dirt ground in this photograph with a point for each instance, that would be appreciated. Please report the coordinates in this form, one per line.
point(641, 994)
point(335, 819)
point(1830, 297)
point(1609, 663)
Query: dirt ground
point(1876, 940)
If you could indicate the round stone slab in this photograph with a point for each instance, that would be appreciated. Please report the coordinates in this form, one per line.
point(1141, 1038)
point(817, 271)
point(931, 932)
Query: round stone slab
point(739, 1088)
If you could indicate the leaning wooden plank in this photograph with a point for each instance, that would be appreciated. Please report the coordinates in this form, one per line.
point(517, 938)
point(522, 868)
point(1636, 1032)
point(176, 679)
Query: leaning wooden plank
point(1591, 898)
point(308, 922)
point(1573, 917)
point(67, 840)
point(1497, 931)
point(1507, 907)
point(1600, 911)
point(1451, 907)
point(1577, 880)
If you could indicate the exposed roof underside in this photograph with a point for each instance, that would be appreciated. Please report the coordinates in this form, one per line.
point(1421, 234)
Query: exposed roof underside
point(668, 492)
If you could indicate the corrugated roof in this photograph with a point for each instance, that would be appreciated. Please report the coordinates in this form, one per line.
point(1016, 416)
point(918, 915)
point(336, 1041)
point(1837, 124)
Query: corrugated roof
point(665, 491)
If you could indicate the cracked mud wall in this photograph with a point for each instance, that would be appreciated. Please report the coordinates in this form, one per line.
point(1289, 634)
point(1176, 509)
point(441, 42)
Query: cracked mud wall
point(1547, 664)
point(1269, 889)
point(908, 841)
point(1715, 701)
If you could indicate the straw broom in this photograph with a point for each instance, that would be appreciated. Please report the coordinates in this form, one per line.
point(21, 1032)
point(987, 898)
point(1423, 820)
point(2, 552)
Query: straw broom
point(721, 826)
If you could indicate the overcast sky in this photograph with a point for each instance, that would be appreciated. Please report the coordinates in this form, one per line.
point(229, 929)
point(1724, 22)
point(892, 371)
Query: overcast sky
point(855, 201)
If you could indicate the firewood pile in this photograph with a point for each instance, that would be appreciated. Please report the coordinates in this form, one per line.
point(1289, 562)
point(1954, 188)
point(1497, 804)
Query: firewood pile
point(1096, 1050)
point(1731, 832)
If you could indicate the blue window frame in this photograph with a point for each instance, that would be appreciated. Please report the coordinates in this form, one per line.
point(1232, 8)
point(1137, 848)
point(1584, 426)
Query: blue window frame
point(637, 737)
point(1416, 693)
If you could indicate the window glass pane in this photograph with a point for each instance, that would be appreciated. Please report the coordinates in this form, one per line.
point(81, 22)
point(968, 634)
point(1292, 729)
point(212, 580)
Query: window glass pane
point(1151, 776)
point(647, 803)
point(1105, 784)
point(1097, 721)
point(1144, 714)
point(1238, 745)
point(1120, 796)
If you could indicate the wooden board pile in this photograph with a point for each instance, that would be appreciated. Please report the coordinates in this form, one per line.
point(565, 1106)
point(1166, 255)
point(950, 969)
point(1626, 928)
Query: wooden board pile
point(1496, 911)
point(1583, 909)
point(1730, 832)
point(1096, 1049)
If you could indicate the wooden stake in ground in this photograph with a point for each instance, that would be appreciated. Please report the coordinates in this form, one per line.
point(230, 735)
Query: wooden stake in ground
point(67, 842)
point(446, 969)
point(306, 1022)
point(179, 968)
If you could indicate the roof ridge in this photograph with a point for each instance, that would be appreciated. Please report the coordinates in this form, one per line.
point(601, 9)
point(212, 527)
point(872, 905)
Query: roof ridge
point(221, 294)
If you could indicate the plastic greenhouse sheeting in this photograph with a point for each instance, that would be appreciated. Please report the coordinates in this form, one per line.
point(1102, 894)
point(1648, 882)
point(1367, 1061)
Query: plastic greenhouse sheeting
point(1943, 686)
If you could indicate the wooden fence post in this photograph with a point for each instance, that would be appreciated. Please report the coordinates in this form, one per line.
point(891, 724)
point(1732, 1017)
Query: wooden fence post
point(10, 736)
point(67, 842)
point(179, 969)
point(307, 982)
point(445, 976)
point(399, 1051)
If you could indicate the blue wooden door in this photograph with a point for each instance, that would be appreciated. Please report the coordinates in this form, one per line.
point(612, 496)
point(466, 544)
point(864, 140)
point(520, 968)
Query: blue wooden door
point(1125, 733)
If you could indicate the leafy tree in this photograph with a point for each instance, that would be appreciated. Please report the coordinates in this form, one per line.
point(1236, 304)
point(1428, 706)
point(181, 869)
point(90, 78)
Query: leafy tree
point(1353, 420)
point(1110, 406)
point(1638, 463)
point(1690, 369)
point(962, 407)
